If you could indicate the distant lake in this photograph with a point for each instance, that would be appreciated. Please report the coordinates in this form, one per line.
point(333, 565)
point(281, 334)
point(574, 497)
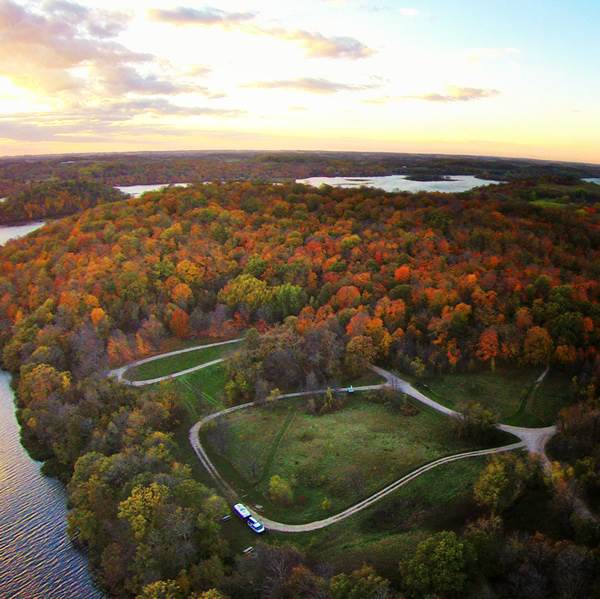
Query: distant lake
point(37, 558)
point(7, 233)
point(137, 190)
point(595, 180)
point(401, 183)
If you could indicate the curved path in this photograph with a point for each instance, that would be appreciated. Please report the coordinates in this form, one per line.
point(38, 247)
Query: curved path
point(532, 439)
point(118, 373)
point(194, 438)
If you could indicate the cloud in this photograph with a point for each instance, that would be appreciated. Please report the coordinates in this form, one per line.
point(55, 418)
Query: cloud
point(41, 50)
point(198, 70)
point(98, 23)
point(183, 15)
point(67, 50)
point(160, 106)
point(110, 118)
point(452, 94)
point(122, 79)
point(312, 85)
point(456, 94)
point(317, 45)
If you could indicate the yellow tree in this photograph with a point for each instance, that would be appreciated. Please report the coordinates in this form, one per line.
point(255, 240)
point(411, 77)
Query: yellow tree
point(537, 349)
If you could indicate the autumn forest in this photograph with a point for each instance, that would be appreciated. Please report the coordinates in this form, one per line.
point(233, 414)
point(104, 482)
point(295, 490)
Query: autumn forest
point(320, 283)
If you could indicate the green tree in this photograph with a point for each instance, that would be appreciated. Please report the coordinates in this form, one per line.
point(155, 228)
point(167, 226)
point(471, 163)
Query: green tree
point(288, 300)
point(538, 346)
point(280, 490)
point(363, 583)
point(501, 482)
point(247, 291)
point(486, 536)
point(141, 507)
point(478, 423)
point(210, 594)
point(161, 589)
point(440, 566)
point(360, 352)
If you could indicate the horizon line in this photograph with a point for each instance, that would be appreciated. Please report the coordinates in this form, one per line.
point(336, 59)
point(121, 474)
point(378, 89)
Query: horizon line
point(50, 155)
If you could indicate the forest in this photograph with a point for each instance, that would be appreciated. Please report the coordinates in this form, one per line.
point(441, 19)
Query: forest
point(322, 282)
point(53, 199)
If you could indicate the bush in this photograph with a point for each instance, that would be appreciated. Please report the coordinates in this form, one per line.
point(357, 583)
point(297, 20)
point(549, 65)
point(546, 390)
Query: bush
point(280, 490)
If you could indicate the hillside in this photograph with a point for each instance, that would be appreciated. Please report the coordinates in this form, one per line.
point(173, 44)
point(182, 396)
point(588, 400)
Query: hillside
point(424, 283)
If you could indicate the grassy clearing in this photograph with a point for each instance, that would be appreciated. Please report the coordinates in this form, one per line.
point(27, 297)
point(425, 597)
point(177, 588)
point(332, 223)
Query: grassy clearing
point(510, 392)
point(380, 535)
point(553, 394)
point(202, 391)
point(551, 204)
point(343, 456)
point(171, 364)
point(388, 531)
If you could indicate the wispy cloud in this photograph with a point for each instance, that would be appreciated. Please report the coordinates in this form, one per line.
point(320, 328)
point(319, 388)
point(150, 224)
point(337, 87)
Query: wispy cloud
point(457, 94)
point(315, 44)
point(183, 15)
point(312, 85)
point(452, 94)
point(318, 45)
point(122, 79)
point(110, 118)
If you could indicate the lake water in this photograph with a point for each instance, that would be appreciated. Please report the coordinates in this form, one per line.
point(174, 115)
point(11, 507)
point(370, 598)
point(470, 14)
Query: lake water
point(401, 183)
point(595, 180)
point(137, 190)
point(8, 233)
point(37, 560)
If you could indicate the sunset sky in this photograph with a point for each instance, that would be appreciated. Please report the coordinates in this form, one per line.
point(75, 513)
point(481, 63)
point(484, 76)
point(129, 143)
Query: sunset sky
point(517, 78)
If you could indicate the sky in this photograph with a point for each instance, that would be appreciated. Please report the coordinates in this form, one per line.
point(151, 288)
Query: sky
point(510, 78)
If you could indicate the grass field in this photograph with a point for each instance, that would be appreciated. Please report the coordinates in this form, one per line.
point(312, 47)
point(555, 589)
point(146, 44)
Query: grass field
point(343, 456)
point(510, 392)
point(169, 365)
point(380, 535)
point(553, 394)
point(388, 531)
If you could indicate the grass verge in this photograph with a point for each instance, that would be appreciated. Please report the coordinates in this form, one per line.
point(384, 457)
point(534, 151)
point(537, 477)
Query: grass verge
point(172, 364)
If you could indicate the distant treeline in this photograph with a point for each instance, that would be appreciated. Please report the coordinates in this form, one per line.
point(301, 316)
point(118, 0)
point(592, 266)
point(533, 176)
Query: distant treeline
point(169, 167)
point(53, 199)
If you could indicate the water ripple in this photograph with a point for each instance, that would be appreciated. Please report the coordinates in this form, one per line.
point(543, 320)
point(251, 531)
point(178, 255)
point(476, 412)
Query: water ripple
point(37, 560)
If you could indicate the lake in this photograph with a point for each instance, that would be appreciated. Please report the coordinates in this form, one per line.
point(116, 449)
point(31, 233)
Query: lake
point(36, 557)
point(8, 233)
point(401, 183)
point(137, 190)
point(595, 180)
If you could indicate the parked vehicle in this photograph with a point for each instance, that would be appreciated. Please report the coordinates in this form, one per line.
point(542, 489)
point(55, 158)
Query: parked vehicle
point(255, 525)
point(242, 511)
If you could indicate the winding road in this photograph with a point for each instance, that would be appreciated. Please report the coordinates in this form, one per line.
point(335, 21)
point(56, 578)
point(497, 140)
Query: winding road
point(119, 373)
point(532, 439)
